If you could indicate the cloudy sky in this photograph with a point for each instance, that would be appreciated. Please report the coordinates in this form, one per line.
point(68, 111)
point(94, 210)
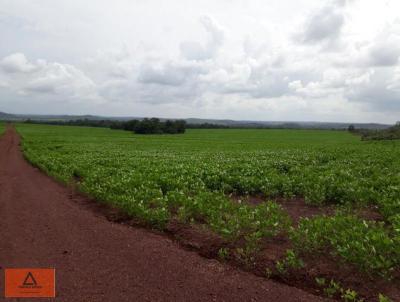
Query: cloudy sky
point(297, 60)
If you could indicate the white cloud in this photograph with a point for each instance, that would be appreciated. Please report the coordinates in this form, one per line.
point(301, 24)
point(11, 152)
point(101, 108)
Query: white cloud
point(15, 63)
point(62, 81)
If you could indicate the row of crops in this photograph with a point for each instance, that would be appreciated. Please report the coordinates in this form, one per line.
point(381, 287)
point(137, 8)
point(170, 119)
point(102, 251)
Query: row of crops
point(190, 178)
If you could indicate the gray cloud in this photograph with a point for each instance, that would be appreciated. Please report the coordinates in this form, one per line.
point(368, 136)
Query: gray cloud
point(385, 55)
point(170, 73)
point(254, 81)
point(162, 76)
point(195, 51)
point(376, 91)
point(323, 25)
point(384, 50)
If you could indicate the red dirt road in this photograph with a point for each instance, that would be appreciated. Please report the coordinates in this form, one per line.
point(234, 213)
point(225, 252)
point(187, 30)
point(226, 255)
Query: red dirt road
point(96, 260)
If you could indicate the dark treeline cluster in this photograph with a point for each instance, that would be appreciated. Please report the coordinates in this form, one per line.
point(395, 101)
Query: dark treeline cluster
point(385, 134)
point(145, 126)
point(152, 126)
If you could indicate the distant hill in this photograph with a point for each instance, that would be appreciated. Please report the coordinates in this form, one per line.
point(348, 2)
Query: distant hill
point(6, 116)
point(44, 117)
point(288, 124)
point(231, 123)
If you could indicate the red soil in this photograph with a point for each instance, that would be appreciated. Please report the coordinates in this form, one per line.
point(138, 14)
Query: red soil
point(322, 265)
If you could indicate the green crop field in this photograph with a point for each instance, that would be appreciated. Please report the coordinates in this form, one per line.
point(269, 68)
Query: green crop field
point(207, 177)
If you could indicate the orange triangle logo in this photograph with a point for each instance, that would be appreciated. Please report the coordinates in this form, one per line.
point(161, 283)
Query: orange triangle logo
point(29, 280)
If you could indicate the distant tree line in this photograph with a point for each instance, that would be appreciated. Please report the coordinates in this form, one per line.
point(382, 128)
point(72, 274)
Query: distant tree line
point(79, 122)
point(152, 126)
point(145, 126)
point(207, 126)
point(390, 133)
point(157, 126)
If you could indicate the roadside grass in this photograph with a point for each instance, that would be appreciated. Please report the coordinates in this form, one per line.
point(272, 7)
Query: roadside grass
point(2, 128)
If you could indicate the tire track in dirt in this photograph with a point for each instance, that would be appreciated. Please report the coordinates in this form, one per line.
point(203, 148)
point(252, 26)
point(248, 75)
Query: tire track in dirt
point(96, 260)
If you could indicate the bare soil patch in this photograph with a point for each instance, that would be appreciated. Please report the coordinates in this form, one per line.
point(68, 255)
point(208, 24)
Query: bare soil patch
point(316, 266)
point(296, 208)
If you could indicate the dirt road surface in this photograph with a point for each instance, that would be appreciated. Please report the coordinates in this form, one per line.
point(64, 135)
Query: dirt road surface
point(96, 260)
